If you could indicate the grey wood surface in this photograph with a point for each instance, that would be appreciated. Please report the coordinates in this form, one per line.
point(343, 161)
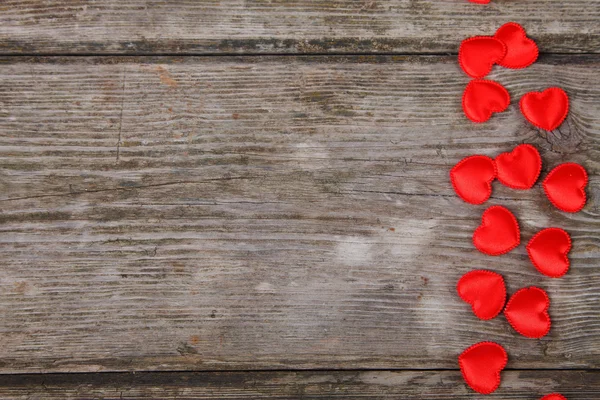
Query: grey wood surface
point(286, 26)
point(272, 212)
point(348, 385)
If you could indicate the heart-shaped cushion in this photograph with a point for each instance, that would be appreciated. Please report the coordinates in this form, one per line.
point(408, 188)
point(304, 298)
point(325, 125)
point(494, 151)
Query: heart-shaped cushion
point(547, 109)
point(482, 98)
point(554, 396)
point(484, 291)
point(498, 233)
point(565, 187)
point(481, 364)
point(521, 51)
point(520, 168)
point(548, 251)
point(527, 312)
point(472, 178)
point(478, 54)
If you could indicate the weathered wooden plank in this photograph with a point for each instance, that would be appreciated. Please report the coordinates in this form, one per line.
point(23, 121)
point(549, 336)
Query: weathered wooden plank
point(522, 385)
point(289, 26)
point(216, 213)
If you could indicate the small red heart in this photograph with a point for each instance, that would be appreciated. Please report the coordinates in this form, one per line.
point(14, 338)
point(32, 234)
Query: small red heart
point(482, 98)
point(484, 291)
point(521, 51)
point(548, 251)
point(472, 178)
point(565, 187)
point(478, 54)
point(498, 233)
point(527, 312)
point(481, 364)
point(520, 168)
point(480, 1)
point(554, 396)
point(547, 109)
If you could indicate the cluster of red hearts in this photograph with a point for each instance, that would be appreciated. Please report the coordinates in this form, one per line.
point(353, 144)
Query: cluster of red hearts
point(510, 48)
point(499, 233)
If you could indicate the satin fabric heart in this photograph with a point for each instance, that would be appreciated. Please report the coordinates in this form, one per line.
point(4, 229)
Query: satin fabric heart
point(484, 291)
point(481, 365)
point(478, 54)
point(546, 110)
point(482, 98)
point(527, 312)
point(498, 233)
point(521, 51)
point(472, 178)
point(565, 187)
point(548, 251)
point(520, 168)
point(554, 396)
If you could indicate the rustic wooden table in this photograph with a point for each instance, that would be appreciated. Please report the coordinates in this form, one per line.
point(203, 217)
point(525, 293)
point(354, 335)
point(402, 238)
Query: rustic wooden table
point(250, 199)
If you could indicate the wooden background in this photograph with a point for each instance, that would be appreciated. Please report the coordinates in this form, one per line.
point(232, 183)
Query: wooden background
point(250, 199)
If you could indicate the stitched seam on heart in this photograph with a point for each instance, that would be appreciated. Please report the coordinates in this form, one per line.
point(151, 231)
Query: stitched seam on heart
point(498, 379)
point(545, 312)
point(514, 220)
point(504, 93)
point(466, 159)
point(564, 255)
point(537, 50)
point(533, 123)
point(495, 274)
point(460, 54)
point(586, 177)
point(536, 177)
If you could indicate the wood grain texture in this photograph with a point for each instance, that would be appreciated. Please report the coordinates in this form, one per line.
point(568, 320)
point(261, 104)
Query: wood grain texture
point(286, 212)
point(286, 26)
point(349, 385)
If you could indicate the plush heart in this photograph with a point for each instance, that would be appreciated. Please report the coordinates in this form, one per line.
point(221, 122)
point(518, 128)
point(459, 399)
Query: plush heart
point(498, 233)
point(565, 187)
point(480, 1)
point(484, 291)
point(548, 251)
point(472, 178)
point(521, 51)
point(520, 168)
point(527, 312)
point(547, 109)
point(478, 54)
point(554, 396)
point(482, 98)
point(481, 364)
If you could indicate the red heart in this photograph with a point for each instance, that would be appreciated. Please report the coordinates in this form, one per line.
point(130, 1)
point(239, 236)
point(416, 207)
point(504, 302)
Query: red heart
point(554, 396)
point(478, 54)
point(527, 312)
point(565, 187)
point(481, 364)
point(520, 168)
point(485, 291)
point(480, 1)
point(482, 98)
point(498, 233)
point(472, 178)
point(521, 51)
point(547, 109)
point(548, 251)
